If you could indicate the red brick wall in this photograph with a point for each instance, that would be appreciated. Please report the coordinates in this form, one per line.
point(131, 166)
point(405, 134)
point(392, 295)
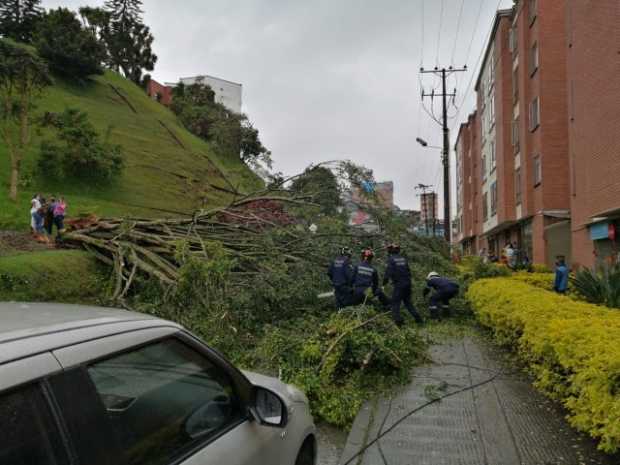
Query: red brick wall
point(550, 139)
point(155, 89)
point(594, 113)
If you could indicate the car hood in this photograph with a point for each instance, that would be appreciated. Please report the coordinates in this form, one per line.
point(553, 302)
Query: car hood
point(289, 393)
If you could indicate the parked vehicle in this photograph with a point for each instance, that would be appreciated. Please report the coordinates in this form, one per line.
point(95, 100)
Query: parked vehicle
point(92, 386)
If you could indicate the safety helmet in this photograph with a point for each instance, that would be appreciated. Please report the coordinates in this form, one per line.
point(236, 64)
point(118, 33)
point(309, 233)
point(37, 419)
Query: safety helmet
point(345, 251)
point(367, 254)
point(432, 274)
point(393, 247)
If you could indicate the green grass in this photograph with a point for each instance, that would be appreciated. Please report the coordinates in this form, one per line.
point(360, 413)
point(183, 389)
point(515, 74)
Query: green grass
point(161, 177)
point(66, 276)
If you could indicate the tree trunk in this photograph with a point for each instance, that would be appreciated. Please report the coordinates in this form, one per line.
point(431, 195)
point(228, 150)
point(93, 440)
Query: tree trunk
point(15, 165)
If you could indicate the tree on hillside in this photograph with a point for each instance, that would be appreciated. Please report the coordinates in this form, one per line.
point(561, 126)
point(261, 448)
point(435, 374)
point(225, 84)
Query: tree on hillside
point(321, 182)
point(128, 40)
point(70, 49)
point(231, 133)
point(23, 76)
point(18, 19)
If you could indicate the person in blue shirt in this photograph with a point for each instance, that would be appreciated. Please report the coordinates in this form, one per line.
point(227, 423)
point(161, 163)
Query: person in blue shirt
point(340, 273)
point(561, 276)
point(445, 290)
point(365, 277)
point(399, 273)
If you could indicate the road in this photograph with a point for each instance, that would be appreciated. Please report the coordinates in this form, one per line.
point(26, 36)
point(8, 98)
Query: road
point(502, 421)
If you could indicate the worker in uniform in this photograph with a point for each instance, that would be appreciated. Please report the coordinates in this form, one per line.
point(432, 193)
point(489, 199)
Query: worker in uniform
point(445, 289)
point(366, 277)
point(399, 273)
point(340, 273)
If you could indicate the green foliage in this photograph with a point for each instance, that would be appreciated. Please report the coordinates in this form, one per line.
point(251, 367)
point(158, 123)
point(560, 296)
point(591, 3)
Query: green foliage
point(19, 19)
point(599, 287)
point(71, 50)
point(319, 182)
point(339, 363)
point(570, 346)
point(79, 152)
point(232, 134)
point(479, 269)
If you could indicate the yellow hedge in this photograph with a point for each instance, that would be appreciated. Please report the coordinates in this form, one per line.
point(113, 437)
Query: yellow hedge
point(572, 347)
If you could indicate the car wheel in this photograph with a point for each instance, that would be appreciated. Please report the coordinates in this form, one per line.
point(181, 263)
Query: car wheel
point(307, 453)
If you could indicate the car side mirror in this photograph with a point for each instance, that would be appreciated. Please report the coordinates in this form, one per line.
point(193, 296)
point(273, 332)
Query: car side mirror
point(268, 408)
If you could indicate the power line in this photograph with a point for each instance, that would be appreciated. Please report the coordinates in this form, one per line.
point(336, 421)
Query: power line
point(473, 34)
point(458, 28)
point(439, 33)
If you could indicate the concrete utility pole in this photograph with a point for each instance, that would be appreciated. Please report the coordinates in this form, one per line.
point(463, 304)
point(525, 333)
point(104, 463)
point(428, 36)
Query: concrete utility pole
point(444, 73)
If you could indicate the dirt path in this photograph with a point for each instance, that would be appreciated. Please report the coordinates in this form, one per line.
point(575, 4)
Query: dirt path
point(13, 241)
point(502, 421)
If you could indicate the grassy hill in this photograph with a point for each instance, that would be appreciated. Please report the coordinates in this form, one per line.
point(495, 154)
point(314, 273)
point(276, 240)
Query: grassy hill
point(167, 172)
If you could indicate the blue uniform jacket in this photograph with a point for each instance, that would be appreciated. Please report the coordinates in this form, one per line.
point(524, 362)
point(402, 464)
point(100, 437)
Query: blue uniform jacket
point(441, 284)
point(398, 271)
point(561, 278)
point(340, 271)
point(365, 276)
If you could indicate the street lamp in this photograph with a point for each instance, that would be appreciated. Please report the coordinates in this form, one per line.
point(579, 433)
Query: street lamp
point(424, 144)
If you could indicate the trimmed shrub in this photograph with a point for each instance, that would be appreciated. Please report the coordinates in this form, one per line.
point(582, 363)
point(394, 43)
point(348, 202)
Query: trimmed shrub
point(571, 347)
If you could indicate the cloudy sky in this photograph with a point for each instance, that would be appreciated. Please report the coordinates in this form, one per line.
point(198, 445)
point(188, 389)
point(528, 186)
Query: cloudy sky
point(330, 79)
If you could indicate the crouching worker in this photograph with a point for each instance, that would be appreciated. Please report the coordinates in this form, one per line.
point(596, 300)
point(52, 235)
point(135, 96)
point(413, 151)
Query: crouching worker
point(399, 273)
point(340, 273)
point(366, 277)
point(445, 290)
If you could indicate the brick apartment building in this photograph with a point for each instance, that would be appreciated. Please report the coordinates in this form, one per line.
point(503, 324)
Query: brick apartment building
point(521, 189)
point(594, 128)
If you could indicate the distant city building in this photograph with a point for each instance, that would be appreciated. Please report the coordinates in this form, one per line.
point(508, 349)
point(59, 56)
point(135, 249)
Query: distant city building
point(159, 92)
point(384, 192)
point(428, 210)
point(227, 93)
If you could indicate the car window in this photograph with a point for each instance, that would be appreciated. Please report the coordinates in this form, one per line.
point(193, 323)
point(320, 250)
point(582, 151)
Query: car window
point(164, 399)
point(29, 433)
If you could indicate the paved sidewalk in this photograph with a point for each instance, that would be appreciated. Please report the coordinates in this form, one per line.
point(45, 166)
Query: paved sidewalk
point(502, 422)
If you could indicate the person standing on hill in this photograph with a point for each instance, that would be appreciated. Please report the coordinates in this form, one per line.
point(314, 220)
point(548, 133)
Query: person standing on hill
point(340, 273)
point(561, 276)
point(60, 209)
point(399, 273)
point(49, 215)
point(35, 204)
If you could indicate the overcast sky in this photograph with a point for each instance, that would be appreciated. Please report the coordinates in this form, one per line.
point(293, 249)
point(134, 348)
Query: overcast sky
point(329, 79)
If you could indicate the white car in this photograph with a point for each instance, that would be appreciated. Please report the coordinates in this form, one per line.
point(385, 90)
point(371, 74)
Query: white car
point(91, 386)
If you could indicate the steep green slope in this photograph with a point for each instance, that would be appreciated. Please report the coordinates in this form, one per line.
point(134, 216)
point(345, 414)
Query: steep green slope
point(168, 170)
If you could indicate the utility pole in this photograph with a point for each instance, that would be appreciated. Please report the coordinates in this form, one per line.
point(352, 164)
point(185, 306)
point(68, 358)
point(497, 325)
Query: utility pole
point(424, 188)
point(444, 73)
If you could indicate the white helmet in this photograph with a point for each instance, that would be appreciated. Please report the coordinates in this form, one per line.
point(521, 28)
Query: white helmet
point(432, 274)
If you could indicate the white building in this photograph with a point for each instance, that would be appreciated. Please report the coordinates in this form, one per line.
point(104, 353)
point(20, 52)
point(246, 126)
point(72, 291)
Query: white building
point(227, 93)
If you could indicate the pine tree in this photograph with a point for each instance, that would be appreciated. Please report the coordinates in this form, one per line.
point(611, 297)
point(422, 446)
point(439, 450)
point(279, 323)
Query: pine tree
point(124, 12)
point(18, 19)
point(128, 40)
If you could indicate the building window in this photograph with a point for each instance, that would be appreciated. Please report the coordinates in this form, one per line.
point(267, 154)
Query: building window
point(484, 167)
point(534, 58)
point(494, 198)
point(493, 157)
point(537, 171)
point(533, 10)
point(515, 135)
point(512, 40)
point(534, 114)
point(515, 84)
point(492, 111)
point(518, 186)
point(485, 206)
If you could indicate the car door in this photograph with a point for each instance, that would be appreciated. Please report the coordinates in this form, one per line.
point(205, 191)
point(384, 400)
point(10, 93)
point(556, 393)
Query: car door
point(158, 403)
